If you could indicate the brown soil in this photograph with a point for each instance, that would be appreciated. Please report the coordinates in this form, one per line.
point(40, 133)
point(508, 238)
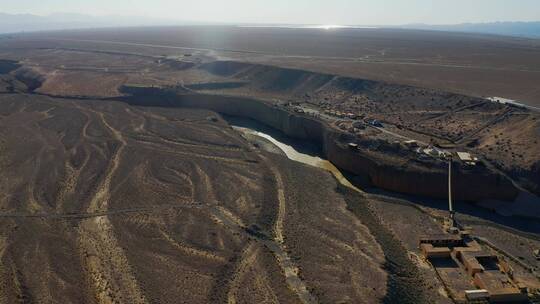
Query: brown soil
point(108, 203)
point(473, 64)
point(105, 202)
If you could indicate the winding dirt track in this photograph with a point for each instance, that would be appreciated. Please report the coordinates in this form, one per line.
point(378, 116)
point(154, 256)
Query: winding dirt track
point(131, 222)
point(248, 257)
point(278, 247)
point(109, 271)
point(282, 209)
point(289, 269)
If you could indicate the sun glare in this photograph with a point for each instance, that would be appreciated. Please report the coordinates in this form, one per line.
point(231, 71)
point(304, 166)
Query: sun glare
point(331, 26)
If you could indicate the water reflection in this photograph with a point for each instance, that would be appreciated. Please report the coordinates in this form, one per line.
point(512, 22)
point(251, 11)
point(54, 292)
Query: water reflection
point(297, 150)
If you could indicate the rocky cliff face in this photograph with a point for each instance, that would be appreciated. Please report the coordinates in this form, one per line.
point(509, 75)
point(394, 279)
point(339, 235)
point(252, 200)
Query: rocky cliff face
point(468, 184)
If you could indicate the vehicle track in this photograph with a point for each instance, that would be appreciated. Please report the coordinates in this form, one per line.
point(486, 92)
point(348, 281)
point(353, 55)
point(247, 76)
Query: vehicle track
point(289, 269)
point(89, 215)
point(277, 246)
point(108, 271)
point(192, 251)
point(282, 208)
point(248, 258)
point(216, 158)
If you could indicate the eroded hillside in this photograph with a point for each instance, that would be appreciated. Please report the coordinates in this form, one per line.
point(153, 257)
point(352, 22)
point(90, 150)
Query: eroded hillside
point(104, 202)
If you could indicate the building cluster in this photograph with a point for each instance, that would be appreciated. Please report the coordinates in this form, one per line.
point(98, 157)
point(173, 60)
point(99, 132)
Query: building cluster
point(436, 152)
point(340, 114)
point(491, 274)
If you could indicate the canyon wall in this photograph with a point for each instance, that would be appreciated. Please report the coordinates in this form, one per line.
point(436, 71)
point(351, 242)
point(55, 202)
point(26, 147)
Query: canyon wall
point(471, 184)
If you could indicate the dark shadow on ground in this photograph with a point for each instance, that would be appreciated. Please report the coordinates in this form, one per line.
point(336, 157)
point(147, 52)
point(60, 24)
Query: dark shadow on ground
point(465, 211)
point(443, 263)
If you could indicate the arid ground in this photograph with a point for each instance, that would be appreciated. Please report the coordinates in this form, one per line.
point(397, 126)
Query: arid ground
point(473, 64)
point(110, 196)
point(103, 202)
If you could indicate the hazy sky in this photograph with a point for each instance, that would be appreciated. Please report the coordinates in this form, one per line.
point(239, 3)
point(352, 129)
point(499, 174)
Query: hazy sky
point(359, 12)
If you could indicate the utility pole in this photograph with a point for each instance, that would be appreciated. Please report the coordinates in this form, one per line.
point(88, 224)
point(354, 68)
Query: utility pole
point(450, 206)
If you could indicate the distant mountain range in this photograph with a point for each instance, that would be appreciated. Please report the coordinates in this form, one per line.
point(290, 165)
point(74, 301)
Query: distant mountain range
point(14, 23)
point(518, 29)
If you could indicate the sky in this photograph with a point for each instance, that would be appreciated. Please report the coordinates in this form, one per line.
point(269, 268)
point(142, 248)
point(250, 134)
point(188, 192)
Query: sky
point(340, 12)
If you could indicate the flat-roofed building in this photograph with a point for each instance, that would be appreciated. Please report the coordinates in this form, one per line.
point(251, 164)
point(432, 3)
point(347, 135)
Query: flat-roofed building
point(490, 273)
point(411, 143)
point(477, 294)
point(467, 158)
point(443, 240)
point(472, 265)
point(499, 287)
point(464, 156)
point(435, 252)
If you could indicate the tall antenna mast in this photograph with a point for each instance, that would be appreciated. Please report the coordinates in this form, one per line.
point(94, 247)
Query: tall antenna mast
point(450, 206)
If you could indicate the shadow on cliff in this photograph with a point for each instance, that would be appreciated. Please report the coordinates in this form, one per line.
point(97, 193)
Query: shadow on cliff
point(301, 146)
point(466, 212)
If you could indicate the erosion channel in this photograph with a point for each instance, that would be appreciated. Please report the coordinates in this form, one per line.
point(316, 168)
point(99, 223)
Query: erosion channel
point(404, 280)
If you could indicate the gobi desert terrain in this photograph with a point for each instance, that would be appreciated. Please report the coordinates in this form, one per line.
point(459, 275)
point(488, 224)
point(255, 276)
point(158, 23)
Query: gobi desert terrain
point(128, 179)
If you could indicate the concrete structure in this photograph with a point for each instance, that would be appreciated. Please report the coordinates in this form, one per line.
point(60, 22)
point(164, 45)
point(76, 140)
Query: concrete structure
point(429, 251)
point(435, 152)
point(411, 143)
point(467, 158)
point(499, 287)
point(491, 274)
point(464, 156)
point(472, 260)
point(477, 294)
point(443, 240)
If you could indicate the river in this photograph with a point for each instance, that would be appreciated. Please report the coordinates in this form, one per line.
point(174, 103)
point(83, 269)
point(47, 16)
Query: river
point(301, 151)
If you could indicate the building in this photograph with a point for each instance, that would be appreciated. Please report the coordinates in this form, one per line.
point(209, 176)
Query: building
point(477, 294)
point(429, 251)
point(499, 286)
point(435, 152)
point(491, 274)
point(439, 245)
point(467, 158)
point(489, 271)
point(477, 261)
point(411, 143)
point(443, 240)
